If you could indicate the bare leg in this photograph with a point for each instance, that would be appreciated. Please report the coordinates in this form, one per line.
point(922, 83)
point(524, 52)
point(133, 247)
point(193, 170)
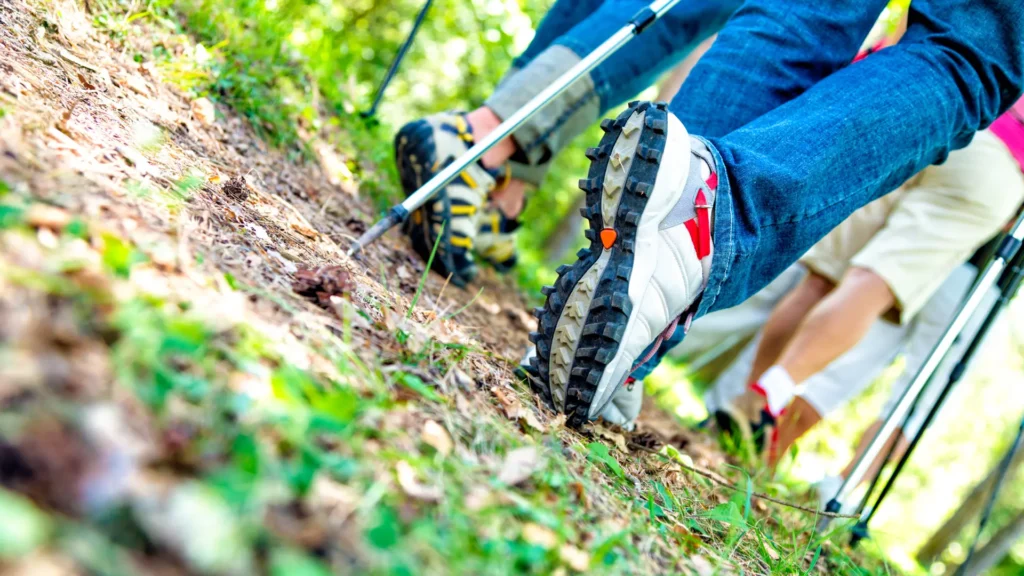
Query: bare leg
point(836, 324)
point(800, 417)
point(833, 326)
point(785, 319)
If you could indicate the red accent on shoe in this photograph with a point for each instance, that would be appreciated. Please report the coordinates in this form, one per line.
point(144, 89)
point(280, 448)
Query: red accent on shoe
point(756, 387)
point(608, 236)
point(691, 227)
point(703, 226)
point(712, 181)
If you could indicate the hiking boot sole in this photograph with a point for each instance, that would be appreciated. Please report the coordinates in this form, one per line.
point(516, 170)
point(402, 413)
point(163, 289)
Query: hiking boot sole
point(587, 311)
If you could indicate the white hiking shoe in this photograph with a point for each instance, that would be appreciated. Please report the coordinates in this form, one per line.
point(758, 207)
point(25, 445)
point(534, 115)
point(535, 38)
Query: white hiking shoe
point(650, 192)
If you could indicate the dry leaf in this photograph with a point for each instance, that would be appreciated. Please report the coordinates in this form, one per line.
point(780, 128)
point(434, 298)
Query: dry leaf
point(135, 84)
point(304, 230)
point(45, 216)
point(539, 535)
point(581, 494)
point(515, 410)
point(618, 439)
point(519, 465)
point(772, 553)
point(462, 379)
point(701, 566)
point(436, 436)
point(413, 487)
point(203, 111)
point(577, 559)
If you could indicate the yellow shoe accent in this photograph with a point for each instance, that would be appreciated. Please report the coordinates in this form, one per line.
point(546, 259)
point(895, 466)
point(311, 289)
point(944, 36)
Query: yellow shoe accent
point(463, 210)
point(461, 242)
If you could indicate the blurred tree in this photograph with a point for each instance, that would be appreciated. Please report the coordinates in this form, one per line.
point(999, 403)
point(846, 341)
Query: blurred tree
point(940, 541)
point(996, 549)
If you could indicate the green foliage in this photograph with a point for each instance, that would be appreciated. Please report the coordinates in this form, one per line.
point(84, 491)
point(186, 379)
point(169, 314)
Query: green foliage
point(292, 67)
point(23, 529)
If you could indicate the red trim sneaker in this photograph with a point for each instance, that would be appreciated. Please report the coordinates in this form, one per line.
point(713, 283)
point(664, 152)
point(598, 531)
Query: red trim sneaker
point(650, 193)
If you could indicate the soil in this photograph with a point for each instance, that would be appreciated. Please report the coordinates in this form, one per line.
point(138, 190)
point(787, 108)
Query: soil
point(95, 135)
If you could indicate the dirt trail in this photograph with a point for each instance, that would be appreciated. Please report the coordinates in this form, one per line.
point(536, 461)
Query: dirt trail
point(227, 228)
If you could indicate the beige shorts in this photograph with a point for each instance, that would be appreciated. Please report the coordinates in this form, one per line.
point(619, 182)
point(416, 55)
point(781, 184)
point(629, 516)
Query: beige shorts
point(914, 237)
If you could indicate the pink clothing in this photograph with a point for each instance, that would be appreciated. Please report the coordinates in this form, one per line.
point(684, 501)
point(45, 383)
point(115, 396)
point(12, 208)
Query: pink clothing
point(1010, 129)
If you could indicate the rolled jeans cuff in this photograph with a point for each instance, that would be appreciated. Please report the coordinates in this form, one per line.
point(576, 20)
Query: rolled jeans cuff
point(555, 125)
point(722, 260)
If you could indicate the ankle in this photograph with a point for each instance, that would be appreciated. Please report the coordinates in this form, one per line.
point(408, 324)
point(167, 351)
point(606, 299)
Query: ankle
point(777, 387)
point(483, 121)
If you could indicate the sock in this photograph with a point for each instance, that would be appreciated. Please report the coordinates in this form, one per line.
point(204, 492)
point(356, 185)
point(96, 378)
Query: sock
point(777, 387)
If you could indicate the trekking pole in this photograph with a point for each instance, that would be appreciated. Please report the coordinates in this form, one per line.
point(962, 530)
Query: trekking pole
point(1009, 283)
point(1004, 468)
point(399, 213)
point(393, 69)
point(1007, 249)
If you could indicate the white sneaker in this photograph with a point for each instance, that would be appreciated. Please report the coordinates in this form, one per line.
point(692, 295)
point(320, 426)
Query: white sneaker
point(649, 196)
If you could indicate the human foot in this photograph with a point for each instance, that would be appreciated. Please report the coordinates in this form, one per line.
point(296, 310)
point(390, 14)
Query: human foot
point(649, 193)
point(753, 416)
point(451, 218)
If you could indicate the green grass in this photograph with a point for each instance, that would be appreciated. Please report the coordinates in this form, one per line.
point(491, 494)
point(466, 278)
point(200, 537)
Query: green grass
point(260, 443)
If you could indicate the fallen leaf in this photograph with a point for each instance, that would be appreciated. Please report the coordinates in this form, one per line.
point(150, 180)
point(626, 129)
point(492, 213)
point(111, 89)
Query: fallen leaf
point(134, 157)
point(690, 543)
point(618, 439)
point(334, 168)
point(519, 465)
point(514, 409)
point(259, 231)
point(771, 551)
point(581, 494)
point(203, 111)
point(701, 566)
point(539, 536)
point(413, 487)
point(463, 380)
point(136, 84)
point(436, 436)
point(577, 559)
point(304, 230)
point(45, 216)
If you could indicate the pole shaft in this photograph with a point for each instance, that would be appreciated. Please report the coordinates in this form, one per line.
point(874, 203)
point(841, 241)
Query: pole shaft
point(896, 415)
point(397, 61)
point(638, 24)
point(513, 122)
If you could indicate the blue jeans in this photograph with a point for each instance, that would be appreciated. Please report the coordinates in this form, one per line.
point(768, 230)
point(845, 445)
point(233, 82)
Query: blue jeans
point(805, 138)
point(582, 25)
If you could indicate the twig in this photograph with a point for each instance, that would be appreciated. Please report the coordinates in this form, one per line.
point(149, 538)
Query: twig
point(712, 477)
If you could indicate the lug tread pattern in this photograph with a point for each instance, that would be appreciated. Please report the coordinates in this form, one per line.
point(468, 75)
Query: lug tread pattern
point(609, 309)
